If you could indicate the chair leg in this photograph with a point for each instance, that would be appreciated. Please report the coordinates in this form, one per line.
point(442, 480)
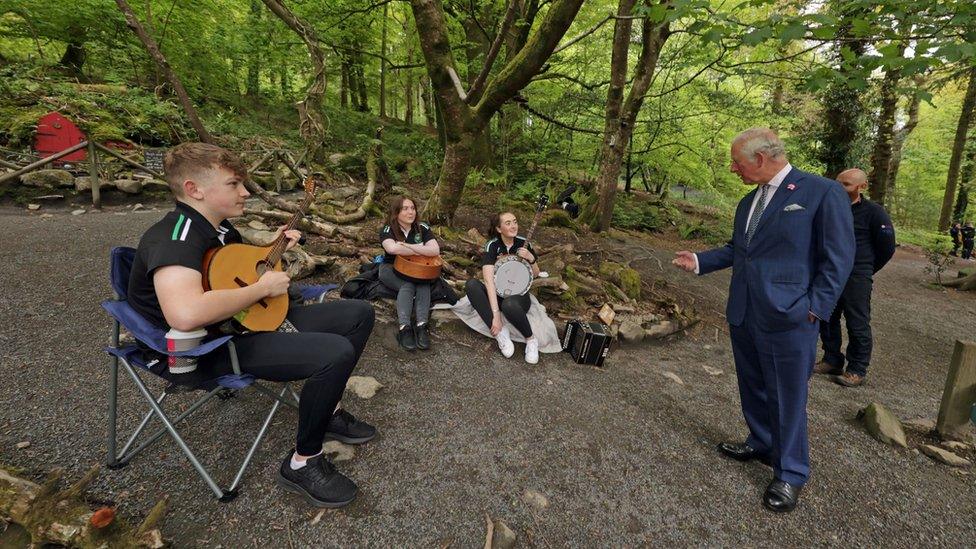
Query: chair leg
point(260, 437)
point(135, 434)
point(176, 435)
point(125, 458)
point(113, 388)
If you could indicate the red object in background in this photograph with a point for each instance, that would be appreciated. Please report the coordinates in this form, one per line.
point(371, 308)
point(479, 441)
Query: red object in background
point(56, 133)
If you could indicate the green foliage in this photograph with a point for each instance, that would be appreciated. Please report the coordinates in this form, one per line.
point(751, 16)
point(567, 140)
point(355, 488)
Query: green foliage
point(640, 215)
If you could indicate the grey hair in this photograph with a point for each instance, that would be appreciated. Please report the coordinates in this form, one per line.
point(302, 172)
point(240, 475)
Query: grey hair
point(760, 140)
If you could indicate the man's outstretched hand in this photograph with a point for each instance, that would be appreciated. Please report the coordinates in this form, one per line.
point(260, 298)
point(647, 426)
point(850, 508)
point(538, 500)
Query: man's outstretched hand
point(684, 260)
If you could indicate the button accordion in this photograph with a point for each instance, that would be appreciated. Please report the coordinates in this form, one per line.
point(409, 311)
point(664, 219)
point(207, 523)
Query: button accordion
point(586, 342)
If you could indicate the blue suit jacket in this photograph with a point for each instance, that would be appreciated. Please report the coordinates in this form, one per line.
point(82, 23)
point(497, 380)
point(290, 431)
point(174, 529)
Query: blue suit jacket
point(798, 260)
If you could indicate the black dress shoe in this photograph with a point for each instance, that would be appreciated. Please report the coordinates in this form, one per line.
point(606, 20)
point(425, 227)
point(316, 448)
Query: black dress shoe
point(406, 338)
point(742, 452)
point(781, 497)
point(423, 336)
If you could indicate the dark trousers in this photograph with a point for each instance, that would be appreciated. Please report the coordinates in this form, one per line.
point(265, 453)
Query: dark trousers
point(773, 369)
point(330, 341)
point(514, 308)
point(855, 306)
point(967, 249)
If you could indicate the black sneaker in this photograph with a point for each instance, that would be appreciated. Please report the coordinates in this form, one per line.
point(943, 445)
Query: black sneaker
point(318, 482)
point(344, 427)
point(406, 338)
point(423, 336)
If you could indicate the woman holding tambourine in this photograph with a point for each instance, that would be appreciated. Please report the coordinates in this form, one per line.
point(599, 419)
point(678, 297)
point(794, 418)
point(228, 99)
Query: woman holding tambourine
point(493, 308)
point(404, 235)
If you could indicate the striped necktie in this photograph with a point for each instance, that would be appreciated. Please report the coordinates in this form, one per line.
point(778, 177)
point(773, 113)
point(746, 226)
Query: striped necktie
point(757, 214)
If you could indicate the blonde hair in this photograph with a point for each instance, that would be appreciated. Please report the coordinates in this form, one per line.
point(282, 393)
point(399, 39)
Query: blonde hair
point(190, 160)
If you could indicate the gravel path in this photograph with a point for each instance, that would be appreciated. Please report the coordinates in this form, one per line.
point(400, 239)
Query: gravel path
point(624, 455)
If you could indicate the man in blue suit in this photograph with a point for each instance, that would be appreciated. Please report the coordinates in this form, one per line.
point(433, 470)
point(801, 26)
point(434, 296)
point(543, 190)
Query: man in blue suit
point(791, 253)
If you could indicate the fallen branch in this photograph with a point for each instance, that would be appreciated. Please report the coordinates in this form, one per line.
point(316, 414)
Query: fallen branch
point(964, 284)
point(308, 225)
point(63, 518)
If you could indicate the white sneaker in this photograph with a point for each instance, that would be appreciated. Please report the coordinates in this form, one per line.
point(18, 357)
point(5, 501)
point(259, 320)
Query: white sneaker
point(532, 351)
point(505, 344)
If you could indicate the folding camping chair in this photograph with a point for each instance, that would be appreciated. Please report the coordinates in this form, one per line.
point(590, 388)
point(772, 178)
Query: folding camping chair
point(134, 360)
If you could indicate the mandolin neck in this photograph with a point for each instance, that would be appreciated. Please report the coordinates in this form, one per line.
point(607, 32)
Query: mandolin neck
point(280, 243)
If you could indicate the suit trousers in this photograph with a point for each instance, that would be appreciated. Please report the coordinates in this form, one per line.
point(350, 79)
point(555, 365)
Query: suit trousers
point(773, 370)
point(855, 306)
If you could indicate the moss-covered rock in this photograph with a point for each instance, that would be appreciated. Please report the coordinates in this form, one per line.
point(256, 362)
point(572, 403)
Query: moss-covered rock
point(558, 218)
point(48, 178)
point(630, 282)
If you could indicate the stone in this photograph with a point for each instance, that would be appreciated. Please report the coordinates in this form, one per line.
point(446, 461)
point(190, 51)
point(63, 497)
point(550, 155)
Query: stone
point(47, 216)
point(921, 424)
point(621, 308)
point(256, 237)
point(631, 330)
point(607, 314)
point(338, 451)
point(363, 386)
point(33, 206)
point(48, 178)
point(535, 499)
point(503, 537)
point(50, 197)
point(83, 183)
point(337, 158)
point(957, 446)
point(258, 225)
point(673, 377)
point(712, 371)
point(883, 425)
point(129, 186)
point(661, 329)
point(475, 235)
point(138, 206)
point(343, 193)
point(23, 444)
point(155, 185)
point(945, 456)
point(77, 212)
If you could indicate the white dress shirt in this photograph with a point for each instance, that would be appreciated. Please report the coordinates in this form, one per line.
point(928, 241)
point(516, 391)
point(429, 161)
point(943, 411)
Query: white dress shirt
point(774, 184)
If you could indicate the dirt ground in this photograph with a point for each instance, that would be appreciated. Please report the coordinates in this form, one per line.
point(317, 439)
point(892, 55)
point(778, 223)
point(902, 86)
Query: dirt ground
point(624, 455)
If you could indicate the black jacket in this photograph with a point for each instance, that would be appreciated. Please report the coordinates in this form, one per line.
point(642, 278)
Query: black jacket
point(874, 235)
point(367, 285)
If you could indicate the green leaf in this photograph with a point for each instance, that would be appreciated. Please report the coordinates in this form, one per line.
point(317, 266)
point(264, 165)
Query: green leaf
point(757, 36)
point(793, 31)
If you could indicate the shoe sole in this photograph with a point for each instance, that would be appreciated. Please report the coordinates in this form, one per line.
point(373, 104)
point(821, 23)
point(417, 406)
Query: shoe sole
point(775, 510)
point(290, 486)
point(349, 440)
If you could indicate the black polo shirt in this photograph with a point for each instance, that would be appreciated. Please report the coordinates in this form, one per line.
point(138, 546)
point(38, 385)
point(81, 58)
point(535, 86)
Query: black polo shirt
point(495, 248)
point(423, 236)
point(181, 238)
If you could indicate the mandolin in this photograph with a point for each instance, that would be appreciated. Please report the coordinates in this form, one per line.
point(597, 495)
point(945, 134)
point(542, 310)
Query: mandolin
point(240, 265)
point(418, 268)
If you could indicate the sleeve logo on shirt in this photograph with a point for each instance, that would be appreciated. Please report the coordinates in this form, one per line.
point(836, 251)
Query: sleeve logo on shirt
point(182, 228)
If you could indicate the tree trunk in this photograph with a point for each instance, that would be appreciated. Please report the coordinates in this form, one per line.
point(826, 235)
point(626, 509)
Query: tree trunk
point(383, 64)
point(462, 123)
point(74, 55)
point(427, 102)
point(620, 118)
point(962, 130)
point(881, 157)
point(966, 179)
point(163, 66)
point(253, 85)
point(842, 103)
point(900, 137)
point(344, 84)
point(311, 124)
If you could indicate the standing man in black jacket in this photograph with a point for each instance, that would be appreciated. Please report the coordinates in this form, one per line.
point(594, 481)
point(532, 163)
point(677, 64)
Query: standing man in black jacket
point(875, 240)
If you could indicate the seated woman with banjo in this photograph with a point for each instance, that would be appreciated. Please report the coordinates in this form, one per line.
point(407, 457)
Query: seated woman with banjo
point(508, 267)
point(411, 264)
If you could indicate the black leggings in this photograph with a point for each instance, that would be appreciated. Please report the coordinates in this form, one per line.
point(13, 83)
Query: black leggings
point(514, 308)
point(330, 341)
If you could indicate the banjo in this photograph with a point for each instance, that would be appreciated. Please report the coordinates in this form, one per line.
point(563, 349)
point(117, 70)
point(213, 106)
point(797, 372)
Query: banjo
point(513, 275)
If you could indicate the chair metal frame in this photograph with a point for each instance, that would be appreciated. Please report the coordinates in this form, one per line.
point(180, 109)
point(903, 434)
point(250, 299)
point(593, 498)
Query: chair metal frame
point(226, 387)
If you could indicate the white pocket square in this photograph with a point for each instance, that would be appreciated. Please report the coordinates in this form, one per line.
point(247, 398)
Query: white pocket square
point(793, 208)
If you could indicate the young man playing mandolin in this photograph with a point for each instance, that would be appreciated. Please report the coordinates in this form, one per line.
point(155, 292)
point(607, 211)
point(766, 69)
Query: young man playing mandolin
point(166, 287)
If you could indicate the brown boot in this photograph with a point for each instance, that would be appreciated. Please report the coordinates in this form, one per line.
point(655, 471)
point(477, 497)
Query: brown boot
point(826, 369)
point(849, 380)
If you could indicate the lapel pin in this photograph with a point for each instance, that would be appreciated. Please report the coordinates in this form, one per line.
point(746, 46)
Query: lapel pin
point(791, 187)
